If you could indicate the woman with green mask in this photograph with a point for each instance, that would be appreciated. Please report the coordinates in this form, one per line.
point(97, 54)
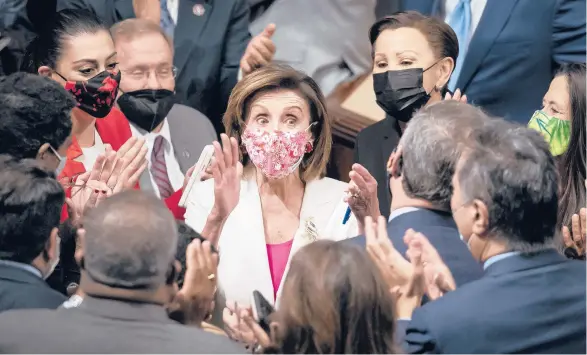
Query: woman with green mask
point(562, 122)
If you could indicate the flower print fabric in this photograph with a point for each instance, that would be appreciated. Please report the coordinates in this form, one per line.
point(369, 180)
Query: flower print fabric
point(97, 95)
point(276, 153)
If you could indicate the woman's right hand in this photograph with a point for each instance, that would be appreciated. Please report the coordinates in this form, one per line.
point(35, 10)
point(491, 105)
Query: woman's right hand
point(227, 172)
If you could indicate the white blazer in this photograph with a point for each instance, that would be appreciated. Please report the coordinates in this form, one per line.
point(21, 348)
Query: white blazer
point(244, 265)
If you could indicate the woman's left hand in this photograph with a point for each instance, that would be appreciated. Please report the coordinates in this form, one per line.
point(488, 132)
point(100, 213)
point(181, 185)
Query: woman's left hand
point(362, 198)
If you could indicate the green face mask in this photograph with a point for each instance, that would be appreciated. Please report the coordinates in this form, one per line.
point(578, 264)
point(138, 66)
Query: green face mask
point(557, 132)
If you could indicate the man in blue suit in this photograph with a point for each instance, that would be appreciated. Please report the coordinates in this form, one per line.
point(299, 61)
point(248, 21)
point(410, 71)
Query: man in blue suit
point(421, 194)
point(509, 50)
point(530, 299)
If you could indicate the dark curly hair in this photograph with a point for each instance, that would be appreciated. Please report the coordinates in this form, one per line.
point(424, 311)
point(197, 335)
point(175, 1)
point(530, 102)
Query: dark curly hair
point(35, 110)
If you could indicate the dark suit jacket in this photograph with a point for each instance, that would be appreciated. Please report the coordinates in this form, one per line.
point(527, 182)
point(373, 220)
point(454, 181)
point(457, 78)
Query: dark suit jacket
point(441, 230)
point(522, 304)
point(373, 147)
point(208, 48)
point(21, 289)
point(515, 50)
point(105, 326)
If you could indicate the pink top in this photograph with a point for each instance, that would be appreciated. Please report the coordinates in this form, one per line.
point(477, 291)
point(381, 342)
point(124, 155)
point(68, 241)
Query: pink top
point(278, 255)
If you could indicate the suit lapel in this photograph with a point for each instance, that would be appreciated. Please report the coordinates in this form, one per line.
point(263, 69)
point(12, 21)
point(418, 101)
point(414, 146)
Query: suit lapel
point(188, 30)
point(494, 18)
point(389, 142)
point(182, 146)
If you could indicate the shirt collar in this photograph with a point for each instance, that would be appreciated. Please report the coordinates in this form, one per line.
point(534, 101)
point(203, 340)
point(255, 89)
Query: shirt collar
point(27, 267)
point(402, 210)
point(498, 257)
point(150, 136)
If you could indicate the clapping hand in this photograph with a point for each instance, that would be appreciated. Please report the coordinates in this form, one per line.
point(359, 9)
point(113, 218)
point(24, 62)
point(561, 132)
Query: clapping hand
point(362, 195)
point(227, 171)
point(575, 237)
point(437, 275)
point(195, 301)
point(456, 96)
point(259, 52)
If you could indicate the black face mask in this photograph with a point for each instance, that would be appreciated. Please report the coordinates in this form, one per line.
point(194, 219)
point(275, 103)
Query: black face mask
point(97, 95)
point(147, 108)
point(400, 92)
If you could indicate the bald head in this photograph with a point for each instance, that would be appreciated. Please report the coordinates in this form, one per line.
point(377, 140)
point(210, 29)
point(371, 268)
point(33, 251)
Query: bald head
point(130, 241)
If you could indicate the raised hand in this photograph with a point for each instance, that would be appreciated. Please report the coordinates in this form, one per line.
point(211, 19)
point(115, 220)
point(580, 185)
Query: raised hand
point(437, 276)
point(130, 163)
point(362, 195)
point(396, 270)
point(259, 52)
point(574, 238)
point(227, 171)
point(195, 300)
point(85, 194)
point(456, 96)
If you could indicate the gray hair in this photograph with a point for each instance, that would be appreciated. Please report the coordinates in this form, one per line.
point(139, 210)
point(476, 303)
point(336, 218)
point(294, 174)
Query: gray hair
point(511, 170)
point(432, 144)
point(130, 241)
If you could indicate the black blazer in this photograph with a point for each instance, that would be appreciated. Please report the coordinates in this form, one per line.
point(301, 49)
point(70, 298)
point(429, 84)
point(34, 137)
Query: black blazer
point(106, 326)
point(523, 304)
point(373, 147)
point(208, 48)
point(21, 289)
point(441, 230)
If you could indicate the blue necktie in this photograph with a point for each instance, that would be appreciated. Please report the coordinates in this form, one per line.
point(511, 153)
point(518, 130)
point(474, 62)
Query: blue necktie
point(460, 21)
point(166, 21)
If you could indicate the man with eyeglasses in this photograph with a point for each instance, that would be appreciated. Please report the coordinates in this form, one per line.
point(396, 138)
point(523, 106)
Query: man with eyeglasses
point(175, 134)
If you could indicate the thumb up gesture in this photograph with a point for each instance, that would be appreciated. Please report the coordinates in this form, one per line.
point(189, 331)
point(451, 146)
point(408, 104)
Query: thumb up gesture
point(260, 50)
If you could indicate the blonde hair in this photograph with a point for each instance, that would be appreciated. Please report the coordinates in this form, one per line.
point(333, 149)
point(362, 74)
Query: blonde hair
point(134, 27)
point(273, 78)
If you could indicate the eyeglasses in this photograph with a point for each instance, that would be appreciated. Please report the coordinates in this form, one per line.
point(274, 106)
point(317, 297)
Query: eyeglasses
point(162, 73)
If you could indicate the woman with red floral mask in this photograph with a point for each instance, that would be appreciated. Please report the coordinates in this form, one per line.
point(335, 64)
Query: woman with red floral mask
point(268, 196)
point(77, 51)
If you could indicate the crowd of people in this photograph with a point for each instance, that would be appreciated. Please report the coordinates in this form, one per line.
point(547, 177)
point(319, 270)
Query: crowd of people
point(462, 228)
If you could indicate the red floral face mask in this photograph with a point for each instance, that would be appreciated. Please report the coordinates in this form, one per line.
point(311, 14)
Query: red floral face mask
point(97, 95)
point(277, 153)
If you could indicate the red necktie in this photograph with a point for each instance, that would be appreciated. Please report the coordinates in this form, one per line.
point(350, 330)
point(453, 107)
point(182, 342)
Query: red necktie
point(159, 168)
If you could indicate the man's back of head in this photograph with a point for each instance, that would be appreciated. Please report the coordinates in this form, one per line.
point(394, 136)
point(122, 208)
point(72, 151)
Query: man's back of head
point(130, 242)
point(432, 144)
point(30, 209)
point(35, 113)
point(510, 169)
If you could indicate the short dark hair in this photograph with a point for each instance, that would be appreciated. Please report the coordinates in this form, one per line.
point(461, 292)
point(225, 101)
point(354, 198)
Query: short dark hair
point(30, 207)
point(432, 145)
point(511, 170)
point(186, 235)
point(440, 35)
point(572, 162)
point(130, 241)
point(35, 110)
point(45, 49)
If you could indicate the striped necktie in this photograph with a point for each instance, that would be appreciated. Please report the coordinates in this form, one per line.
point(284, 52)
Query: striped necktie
point(460, 21)
point(166, 20)
point(159, 168)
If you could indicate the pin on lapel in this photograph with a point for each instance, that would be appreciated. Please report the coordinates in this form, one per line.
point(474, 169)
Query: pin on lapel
point(310, 232)
point(198, 10)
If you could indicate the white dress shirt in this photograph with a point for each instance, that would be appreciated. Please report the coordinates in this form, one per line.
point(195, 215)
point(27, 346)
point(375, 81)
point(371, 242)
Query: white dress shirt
point(146, 181)
point(173, 8)
point(477, 7)
point(89, 156)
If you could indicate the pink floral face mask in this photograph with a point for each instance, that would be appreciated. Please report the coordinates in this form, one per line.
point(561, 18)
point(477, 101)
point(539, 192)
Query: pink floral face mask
point(277, 153)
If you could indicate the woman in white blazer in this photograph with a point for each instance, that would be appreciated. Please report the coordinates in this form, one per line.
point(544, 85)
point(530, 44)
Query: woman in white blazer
point(261, 215)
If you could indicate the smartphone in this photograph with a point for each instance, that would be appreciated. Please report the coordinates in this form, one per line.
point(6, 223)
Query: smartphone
point(262, 309)
point(201, 166)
